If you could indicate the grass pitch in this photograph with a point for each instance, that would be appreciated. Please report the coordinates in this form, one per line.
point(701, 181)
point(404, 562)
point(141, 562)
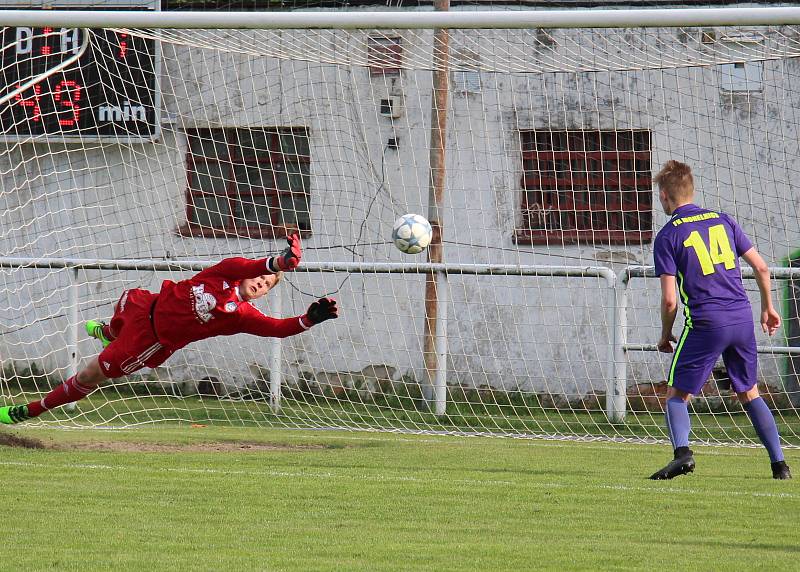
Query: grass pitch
point(209, 498)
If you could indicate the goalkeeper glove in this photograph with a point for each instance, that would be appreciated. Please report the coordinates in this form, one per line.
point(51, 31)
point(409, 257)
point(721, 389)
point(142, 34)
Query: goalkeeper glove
point(321, 310)
point(289, 259)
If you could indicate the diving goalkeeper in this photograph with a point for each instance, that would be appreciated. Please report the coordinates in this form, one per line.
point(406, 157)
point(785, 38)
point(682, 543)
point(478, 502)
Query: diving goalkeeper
point(147, 328)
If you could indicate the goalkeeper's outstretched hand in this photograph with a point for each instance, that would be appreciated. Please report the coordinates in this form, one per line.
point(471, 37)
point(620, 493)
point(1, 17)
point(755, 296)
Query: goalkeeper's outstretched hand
point(321, 310)
point(290, 258)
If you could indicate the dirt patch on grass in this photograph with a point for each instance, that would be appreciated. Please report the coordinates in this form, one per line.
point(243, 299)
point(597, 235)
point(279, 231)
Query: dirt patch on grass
point(8, 439)
point(12, 440)
point(130, 447)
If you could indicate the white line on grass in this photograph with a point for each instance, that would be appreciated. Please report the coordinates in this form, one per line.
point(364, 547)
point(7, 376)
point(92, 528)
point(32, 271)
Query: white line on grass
point(697, 491)
point(399, 478)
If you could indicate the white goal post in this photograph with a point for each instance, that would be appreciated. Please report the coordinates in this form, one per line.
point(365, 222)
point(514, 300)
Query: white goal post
point(142, 145)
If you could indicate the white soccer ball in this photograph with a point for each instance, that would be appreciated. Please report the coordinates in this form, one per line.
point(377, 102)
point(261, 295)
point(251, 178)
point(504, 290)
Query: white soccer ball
point(412, 233)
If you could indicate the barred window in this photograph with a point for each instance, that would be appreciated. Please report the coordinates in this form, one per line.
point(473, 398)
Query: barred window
point(384, 55)
point(586, 187)
point(250, 182)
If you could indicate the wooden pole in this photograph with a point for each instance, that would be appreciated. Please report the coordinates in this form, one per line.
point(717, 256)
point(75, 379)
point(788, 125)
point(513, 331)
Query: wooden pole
point(436, 189)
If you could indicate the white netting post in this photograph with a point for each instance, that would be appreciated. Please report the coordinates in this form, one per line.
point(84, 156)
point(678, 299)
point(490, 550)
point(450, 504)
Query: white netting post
point(440, 346)
point(73, 327)
point(276, 355)
point(616, 393)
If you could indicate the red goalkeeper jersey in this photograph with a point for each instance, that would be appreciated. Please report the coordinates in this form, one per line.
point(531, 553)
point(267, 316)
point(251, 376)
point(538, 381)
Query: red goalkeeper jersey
point(209, 304)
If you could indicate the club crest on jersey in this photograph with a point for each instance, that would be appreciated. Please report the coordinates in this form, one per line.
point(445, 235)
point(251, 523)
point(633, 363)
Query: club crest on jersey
point(203, 303)
point(231, 306)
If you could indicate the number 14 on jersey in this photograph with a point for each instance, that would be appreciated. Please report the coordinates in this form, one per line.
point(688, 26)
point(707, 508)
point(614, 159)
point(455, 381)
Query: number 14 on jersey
point(716, 249)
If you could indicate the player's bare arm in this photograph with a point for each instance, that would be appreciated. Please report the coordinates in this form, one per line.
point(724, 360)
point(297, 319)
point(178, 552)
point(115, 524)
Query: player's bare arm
point(669, 309)
point(770, 319)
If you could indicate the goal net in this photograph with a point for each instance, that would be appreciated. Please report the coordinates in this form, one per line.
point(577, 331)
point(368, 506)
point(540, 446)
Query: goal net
point(158, 152)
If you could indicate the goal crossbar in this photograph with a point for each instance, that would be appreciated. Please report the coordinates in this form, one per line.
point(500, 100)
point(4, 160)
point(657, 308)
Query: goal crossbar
point(656, 18)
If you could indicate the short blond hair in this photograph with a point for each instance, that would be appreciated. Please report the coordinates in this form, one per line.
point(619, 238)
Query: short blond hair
point(676, 180)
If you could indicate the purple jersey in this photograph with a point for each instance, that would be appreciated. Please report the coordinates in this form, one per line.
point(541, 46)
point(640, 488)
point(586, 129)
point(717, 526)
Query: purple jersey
point(702, 249)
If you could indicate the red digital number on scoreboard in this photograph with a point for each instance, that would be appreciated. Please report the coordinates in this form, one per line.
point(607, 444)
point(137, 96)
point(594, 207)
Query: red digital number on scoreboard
point(67, 93)
point(32, 102)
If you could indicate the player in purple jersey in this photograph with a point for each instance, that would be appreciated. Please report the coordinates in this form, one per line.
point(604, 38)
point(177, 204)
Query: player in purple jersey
point(701, 248)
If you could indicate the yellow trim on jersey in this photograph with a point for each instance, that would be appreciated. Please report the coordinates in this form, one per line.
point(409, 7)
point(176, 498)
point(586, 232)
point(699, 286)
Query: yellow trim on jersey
point(685, 299)
point(677, 354)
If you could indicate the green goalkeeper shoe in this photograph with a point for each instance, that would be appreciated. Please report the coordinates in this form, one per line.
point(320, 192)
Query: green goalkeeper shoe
point(95, 329)
point(11, 414)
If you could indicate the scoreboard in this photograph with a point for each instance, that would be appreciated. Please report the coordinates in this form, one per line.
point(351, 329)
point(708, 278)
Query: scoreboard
point(109, 93)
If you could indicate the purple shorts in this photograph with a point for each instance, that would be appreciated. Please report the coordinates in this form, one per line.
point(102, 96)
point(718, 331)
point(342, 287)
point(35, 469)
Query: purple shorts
point(697, 352)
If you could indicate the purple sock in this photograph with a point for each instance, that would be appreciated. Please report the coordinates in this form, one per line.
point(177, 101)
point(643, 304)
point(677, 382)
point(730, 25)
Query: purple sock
point(678, 425)
point(764, 423)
